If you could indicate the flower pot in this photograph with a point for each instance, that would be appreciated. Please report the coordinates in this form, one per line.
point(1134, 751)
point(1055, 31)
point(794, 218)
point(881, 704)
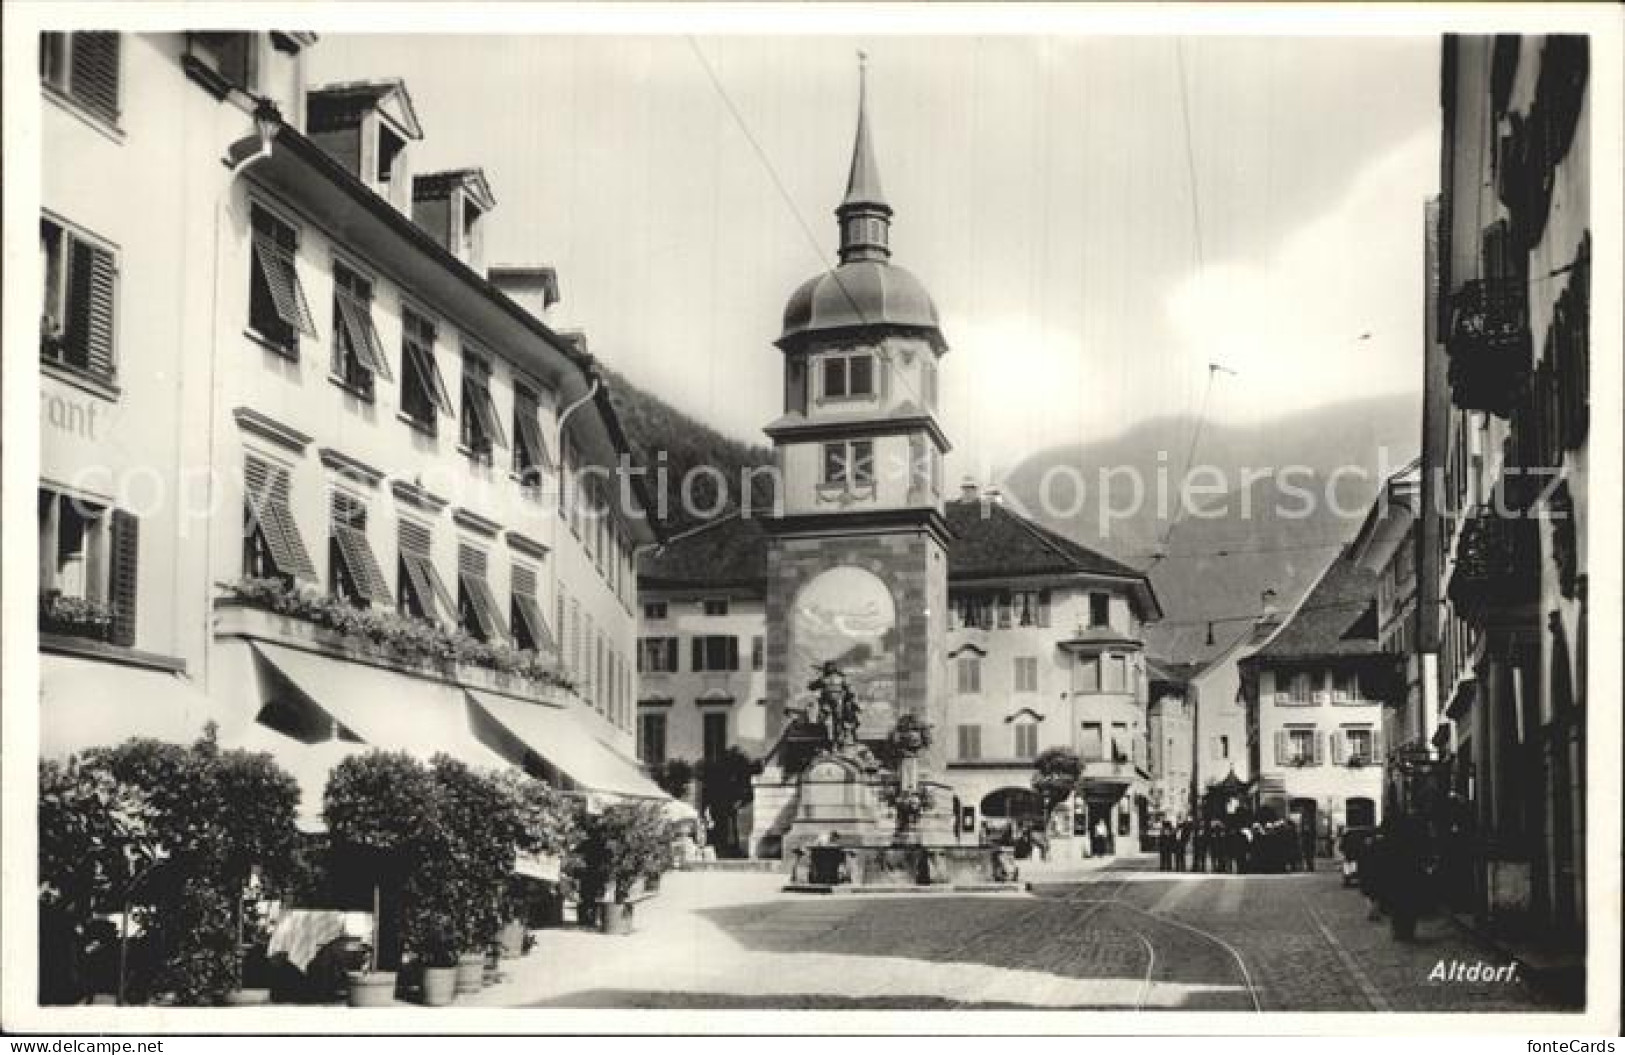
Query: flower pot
point(248, 997)
point(371, 988)
point(470, 971)
point(439, 986)
point(615, 917)
point(511, 941)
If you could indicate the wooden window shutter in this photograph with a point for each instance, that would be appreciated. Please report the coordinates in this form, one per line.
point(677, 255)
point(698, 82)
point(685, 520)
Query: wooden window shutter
point(1319, 740)
point(1339, 753)
point(1283, 750)
point(1376, 746)
point(93, 74)
point(697, 653)
point(733, 653)
point(123, 575)
point(91, 281)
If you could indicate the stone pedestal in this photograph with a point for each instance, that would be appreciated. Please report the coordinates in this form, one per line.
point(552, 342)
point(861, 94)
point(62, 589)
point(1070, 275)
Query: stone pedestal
point(836, 801)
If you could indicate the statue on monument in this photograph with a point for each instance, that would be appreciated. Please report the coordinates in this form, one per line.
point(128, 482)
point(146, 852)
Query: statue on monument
point(834, 708)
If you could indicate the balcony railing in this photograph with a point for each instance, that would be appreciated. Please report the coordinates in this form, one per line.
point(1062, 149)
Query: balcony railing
point(1489, 344)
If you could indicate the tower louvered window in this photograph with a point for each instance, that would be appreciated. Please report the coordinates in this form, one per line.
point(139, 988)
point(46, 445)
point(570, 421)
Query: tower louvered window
point(422, 592)
point(477, 609)
point(355, 572)
point(76, 317)
point(273, 547)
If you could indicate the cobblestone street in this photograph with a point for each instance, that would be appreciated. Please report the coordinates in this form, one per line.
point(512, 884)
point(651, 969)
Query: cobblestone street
point(1125, 938)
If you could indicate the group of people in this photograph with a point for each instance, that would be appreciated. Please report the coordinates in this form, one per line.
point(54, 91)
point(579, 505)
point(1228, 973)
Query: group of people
point(1218, 846)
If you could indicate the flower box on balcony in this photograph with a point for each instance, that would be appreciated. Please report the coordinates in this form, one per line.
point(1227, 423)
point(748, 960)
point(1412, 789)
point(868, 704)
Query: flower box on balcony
point(257, 609)
point(1497, 562)
point(1489, 344)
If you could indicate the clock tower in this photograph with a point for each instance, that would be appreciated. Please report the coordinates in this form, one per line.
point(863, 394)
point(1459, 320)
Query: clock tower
point(857, 568)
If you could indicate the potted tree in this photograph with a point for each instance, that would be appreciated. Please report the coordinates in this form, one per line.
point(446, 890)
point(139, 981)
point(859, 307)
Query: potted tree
point(479, 833)
point(380, 808)
point(257, 802)
point(545, 832)
point(620, 847)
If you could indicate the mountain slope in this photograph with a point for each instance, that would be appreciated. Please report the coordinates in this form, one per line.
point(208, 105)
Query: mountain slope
point(671, 444)
point(1309, 480)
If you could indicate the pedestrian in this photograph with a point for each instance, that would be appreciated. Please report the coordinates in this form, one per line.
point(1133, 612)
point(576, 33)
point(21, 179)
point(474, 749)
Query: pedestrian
point(1218, 846)
point(1102, 837)
point(1308, 839)
point(1040, 841)
point(1165, 846)
point(1182, 838)
point(1199, 848)
point(1292, 846)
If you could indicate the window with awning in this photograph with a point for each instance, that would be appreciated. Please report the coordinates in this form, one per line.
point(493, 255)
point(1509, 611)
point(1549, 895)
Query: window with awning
point(358, 353)
point(277, 308)
point(423, 391)
point(530, 454)
point(482, 428)
point(477, 609)
point(423, 594)
point(356, 573)
point(530, 629)
point(273, 547)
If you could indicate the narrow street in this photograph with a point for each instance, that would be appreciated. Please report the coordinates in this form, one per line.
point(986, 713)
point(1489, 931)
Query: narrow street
point(1122, 938)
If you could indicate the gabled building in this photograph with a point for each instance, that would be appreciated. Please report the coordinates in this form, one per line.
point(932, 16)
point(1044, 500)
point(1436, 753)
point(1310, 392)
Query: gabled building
point(1506, 451)
point(1315, 695)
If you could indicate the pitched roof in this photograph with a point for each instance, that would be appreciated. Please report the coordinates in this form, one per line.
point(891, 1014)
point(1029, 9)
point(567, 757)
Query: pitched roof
point(992, 540)
point(989, 541)
point(730, 551)
point(1337, 618)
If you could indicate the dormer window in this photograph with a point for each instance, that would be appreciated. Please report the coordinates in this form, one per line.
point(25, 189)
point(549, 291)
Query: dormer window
point(390, 146)
point(470, 229)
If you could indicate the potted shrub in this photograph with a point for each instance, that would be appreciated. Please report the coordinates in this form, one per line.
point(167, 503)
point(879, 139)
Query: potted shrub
point(432, 921)
point(379, 808)
point(620, 847)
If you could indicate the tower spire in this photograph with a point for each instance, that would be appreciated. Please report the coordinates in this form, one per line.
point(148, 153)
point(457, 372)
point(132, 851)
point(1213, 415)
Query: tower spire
point(864, 215)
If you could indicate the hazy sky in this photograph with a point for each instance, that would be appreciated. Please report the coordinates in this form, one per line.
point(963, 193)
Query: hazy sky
point(1043, 194)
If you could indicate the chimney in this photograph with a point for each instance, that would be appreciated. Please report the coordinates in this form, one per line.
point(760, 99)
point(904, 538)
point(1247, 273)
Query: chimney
point(993, 495)
point(533, 287)
point(968, 489)
point(451, 207)
point(1269, 617)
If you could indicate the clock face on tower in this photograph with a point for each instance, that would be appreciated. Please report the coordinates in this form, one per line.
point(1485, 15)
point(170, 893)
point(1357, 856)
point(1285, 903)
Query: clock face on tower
point(846, 616)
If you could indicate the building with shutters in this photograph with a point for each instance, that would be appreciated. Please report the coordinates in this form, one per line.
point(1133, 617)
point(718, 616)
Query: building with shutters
point(1505, 484)
point(702, 645)
point(1315, 694)
point(360, 431)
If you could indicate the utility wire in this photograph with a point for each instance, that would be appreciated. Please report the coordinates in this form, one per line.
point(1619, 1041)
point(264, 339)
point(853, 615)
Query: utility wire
point(789, 202)
point(1196, 243)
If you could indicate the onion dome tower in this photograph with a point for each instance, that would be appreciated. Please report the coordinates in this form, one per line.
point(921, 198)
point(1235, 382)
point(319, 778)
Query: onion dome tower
point(857, 565)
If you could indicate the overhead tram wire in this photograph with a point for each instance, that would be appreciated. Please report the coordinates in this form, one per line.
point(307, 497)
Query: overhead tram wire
point(784, 194)
point(1196, 246)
